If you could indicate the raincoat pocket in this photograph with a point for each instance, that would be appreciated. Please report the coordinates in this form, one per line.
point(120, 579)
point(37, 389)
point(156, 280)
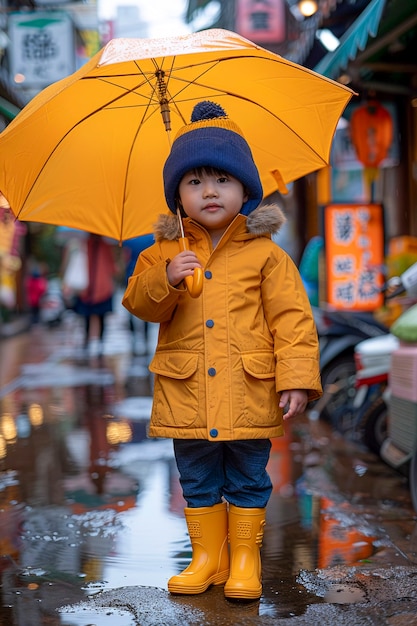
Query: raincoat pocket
point(176, 397)
point(259, 394)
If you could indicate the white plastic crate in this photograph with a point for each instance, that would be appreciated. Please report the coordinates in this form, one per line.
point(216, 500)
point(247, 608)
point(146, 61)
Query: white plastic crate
point(403, 373)
point(402, 424)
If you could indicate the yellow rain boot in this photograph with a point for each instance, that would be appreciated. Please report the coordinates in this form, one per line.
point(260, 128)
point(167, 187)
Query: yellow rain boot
point(207, 527)
point(246, 529)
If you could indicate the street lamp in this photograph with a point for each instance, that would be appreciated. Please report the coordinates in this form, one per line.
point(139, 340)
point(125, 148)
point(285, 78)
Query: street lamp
point(307, 8)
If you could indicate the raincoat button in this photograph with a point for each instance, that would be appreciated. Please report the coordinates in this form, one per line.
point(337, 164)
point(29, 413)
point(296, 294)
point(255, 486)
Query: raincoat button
point(211, 371)
point(214, 432)
point(208, 274)
point(209, 323)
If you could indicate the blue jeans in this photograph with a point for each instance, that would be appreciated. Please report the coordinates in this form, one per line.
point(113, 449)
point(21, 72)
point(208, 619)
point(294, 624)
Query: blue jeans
point(235, 470)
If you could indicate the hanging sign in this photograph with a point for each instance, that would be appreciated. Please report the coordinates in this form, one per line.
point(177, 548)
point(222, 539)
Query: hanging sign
point(354, 254)
point(261, 21)
point(41, 48)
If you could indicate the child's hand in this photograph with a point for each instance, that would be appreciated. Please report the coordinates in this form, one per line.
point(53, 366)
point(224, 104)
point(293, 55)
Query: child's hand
point(296, 399)
point(182, 265)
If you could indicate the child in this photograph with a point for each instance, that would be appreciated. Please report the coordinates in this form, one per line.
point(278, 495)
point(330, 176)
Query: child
point(231, 363)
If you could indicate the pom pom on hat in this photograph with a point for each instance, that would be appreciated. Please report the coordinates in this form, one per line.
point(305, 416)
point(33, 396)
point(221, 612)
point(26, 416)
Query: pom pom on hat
point(207, 110)
point(212, 140)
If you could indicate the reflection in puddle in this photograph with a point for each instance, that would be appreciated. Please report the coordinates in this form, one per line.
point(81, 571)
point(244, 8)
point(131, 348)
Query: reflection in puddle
point(88, 616)
point(89, 505)
point(340, 542)
point(323, 585)
point(344, 594)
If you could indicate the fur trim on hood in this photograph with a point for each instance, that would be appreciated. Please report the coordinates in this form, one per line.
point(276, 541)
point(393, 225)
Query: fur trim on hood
point(266, 219)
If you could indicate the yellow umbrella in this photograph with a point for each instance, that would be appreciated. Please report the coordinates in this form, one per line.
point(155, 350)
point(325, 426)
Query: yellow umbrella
point(88, 151)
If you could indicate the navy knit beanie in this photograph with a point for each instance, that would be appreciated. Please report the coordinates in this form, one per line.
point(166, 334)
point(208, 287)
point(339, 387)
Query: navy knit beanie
point(212, 140)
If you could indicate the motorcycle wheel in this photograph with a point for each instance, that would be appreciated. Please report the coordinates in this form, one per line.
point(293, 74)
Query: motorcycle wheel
point(374, 426)
point(340, 369)
point(413, 480)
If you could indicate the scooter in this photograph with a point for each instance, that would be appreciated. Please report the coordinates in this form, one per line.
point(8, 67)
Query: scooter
point(365, 416)
point(349, 406)
point(339, 332)
point(398, 404)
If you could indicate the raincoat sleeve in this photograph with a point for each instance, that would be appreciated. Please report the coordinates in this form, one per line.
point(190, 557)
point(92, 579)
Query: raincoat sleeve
point(148, 294)
point(290, 319)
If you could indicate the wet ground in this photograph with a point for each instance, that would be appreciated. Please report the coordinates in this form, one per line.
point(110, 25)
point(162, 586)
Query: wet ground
point(91, 512)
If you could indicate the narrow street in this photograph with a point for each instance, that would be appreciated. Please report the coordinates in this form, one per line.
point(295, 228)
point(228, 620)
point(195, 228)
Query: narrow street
point(91, 515)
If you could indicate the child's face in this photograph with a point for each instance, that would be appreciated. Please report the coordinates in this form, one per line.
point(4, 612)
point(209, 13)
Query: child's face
point(211, 198)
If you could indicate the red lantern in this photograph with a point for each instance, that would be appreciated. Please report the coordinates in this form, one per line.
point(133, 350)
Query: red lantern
point(371, 130)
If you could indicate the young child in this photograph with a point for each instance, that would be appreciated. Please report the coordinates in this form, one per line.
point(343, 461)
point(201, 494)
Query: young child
point(234, 362)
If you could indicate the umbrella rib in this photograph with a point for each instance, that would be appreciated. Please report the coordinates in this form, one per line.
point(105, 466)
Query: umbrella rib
point(173, 100)
point(153, 87)
point(225, 92)
point(126, 90)
point(90, 114)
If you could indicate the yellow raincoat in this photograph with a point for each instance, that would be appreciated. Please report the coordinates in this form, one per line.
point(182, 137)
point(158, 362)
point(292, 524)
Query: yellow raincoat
point(223, 358)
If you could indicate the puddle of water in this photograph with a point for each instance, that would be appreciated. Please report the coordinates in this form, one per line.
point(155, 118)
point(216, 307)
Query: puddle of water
point(344, 594)
point(90, 617)
point(87, 501)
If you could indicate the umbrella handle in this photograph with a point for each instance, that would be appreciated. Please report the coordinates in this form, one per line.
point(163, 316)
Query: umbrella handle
point(193, 283)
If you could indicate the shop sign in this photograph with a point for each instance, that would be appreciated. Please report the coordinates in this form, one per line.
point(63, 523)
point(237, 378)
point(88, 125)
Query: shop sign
point(354, 255)
point(261, 21)
point(41, 48)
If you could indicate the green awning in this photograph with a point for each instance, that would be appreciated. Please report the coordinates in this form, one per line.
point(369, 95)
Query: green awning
point(354, 39)
point(8, 109)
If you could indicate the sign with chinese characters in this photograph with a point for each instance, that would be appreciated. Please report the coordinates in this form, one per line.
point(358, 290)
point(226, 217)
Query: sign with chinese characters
point(261, 21)
point(41, 49)
point(354, 253)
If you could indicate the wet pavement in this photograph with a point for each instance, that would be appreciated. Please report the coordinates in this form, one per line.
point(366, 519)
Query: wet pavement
point(91, 511)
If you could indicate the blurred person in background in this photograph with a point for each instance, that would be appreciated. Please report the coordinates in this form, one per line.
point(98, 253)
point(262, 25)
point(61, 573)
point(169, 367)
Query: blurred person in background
point(95, 301)
point(36, 288)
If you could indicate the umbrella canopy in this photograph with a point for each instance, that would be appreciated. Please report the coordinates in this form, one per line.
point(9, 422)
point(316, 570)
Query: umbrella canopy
point(88, 151)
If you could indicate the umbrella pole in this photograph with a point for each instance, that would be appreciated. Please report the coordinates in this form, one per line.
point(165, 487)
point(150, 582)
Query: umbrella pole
point(163, 101)
point(180, 223)
point(193, 283)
